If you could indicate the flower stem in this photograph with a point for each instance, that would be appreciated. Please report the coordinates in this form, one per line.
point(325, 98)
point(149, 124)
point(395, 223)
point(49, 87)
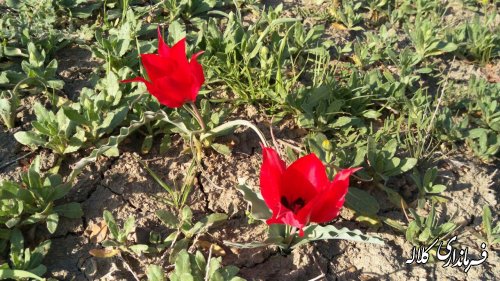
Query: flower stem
point(198, 117)
point(231, 125)
point(289, 238)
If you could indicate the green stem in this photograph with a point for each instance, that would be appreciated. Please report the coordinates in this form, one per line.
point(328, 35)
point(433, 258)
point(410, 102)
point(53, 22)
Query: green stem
point(231, 125)
point(289, 238)
point(198, 116)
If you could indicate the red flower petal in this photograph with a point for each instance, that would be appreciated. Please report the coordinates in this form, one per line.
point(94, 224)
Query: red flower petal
point(304, 178)
point(270, 178)
point(197, 69)
point(156, 66)
point(173, 79)
point(163, 48)
point(176, 90)
point(287, 217)
point(178, 51)
point(326, 206)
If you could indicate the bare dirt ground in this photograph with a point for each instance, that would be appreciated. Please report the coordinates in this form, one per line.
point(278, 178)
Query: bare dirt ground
point(122, 186)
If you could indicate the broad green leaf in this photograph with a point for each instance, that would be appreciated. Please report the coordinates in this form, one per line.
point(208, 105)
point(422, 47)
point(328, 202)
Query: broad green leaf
point(390, 148)
point(361, 202)
point(341, 122)
point(407, 164)
point(17, 274)
point(147, 144)
point(372, 114)
point(180, 245)
point(260, 211)
point(155, 273)
point(52, 221)
point(29, 139)
point(412, 231)
point(139, 248)
point(395, 198)
point(198, 264)
point(39, 254)
point(445, 228)
point(129, 225)
point(74, 116)
point(111, 223)
point(394, 224)
point(176, 31)
point(167, 218)
point(182, 262)
point(438, 188)
point(221, 148)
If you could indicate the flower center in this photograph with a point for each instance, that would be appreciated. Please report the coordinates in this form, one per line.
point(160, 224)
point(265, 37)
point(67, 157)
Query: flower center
point(294, 206)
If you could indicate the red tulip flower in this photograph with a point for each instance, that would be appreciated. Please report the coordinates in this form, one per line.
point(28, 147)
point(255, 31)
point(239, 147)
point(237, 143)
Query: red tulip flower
point(301, 193)
point(173, 79)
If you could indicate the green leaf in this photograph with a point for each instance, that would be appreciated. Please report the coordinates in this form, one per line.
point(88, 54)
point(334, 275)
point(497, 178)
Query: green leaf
point(425, 235)
point(341, 122)
point(167, 218)
point(180, 245)
point(155, 273)
point(445, 228)
point(448, 47)
point(205, 223)
point(38, 255)
point(147, 144)
point(318, 232)
point(260, 211)
point(176, 31)
point(394, 224)
point(361, 202)
point(138, 248)
point(213, 266)
point(52, 221)
point(129, 225)
point(112, 143)
point(71, 210)
point(186, 214)
point(111, 223)
point(390, 148)
point(412, 231)
point(395, 197)
point(74, 116)
point(17, 274)
point(487, 221)
point(182, 262)
point(372, 114)
point(55, 84)
point(407, 164)
point(438, 188)
point(112, 152)
point(114, 119)
point(198, 264)
point(165, 143)
point(221, 148)
point(13, 52)
point(29, 139)
point(59, 191)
